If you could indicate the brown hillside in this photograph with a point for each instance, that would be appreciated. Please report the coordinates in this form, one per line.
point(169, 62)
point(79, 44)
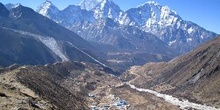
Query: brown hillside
point(195, 76)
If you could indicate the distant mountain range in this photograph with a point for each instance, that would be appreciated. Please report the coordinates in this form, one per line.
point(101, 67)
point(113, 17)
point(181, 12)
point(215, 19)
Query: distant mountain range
point(150, 17)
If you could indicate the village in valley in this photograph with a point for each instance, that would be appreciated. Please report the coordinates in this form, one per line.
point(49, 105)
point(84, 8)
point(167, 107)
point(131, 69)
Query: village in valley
point(107, 102)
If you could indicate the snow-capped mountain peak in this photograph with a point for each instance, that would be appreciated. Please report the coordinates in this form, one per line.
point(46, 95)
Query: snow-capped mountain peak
point(102, 8)
point(43, 8)
point(166, 24)
point(148, 14)
point(46, 8)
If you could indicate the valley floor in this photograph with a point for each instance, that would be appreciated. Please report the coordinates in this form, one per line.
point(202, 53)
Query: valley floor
point(87, 85)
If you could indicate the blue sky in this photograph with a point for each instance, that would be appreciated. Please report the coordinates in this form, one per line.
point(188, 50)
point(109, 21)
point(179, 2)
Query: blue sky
point(201, 12)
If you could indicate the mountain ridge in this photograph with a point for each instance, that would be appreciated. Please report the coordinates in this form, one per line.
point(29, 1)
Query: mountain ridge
point(56, 42)
point(151, 17)
point(167, 25)
point(107, 31)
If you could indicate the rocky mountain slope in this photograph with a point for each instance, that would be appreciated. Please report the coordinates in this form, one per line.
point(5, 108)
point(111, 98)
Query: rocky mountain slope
point(45, 82)
point(23, 30)
point(194, 76)
point(17, 48)
point(151, 17)
point(14, 95)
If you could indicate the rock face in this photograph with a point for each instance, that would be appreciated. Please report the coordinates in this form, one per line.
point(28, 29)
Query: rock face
point(150, 17)
point(194, 76)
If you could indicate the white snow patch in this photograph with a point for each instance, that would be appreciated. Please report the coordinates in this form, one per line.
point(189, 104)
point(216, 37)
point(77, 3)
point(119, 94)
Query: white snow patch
point(189, 39)
point(178, 24)
point(103, 4)
point(110, 13)
point(172, 42)
point(190, 30)
point(183, 104)
point(202, 36)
